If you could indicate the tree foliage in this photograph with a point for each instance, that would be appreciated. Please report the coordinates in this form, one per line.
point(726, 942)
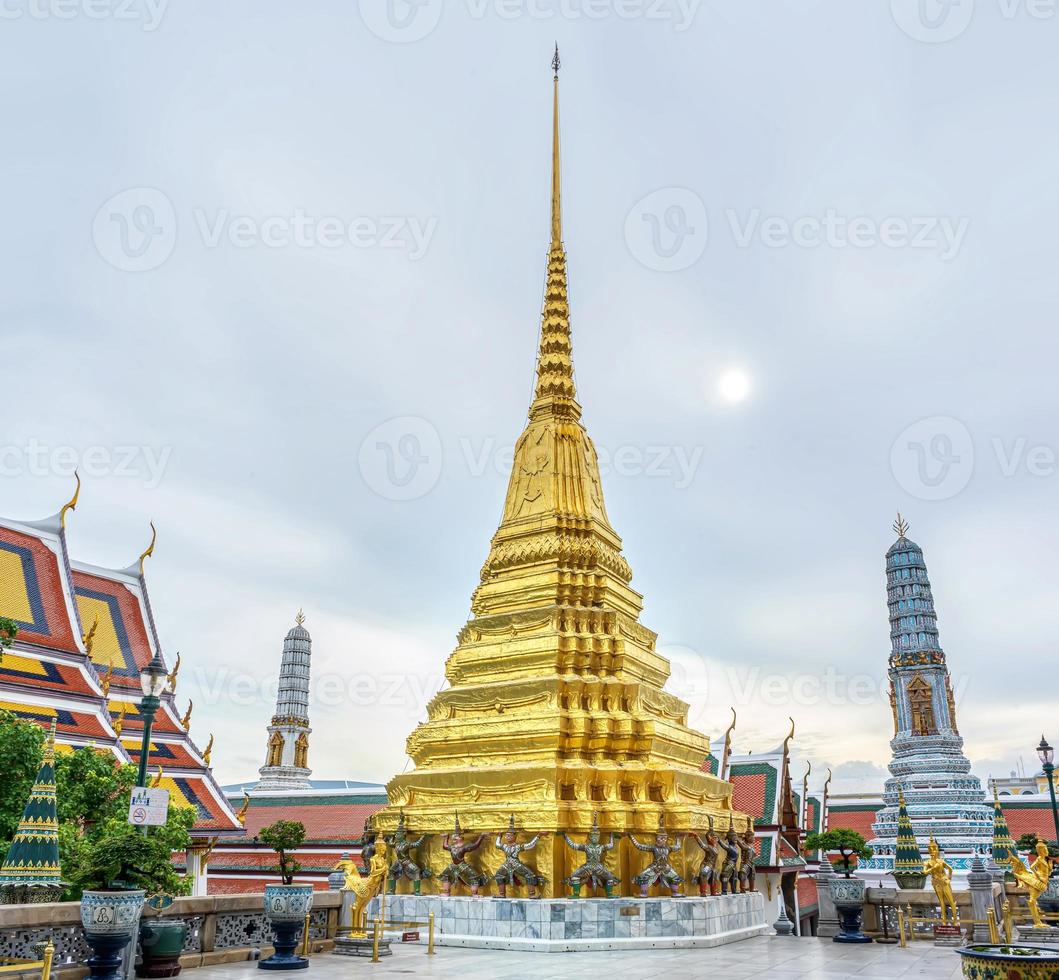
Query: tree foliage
point(122, 856)
point(842, 841)
point(92, 788)
point(8, 632)
point(1028, 842)
point(21, 750)
point(284, 836)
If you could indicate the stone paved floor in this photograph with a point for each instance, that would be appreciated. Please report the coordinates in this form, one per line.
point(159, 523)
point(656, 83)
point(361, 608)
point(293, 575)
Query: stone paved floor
point(766, 957)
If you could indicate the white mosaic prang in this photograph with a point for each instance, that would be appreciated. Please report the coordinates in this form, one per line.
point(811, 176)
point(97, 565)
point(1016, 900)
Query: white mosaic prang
point(566, 925)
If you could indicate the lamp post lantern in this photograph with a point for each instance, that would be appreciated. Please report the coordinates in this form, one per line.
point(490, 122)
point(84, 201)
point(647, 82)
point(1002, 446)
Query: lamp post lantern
point(1046, 754)
point(152, 682)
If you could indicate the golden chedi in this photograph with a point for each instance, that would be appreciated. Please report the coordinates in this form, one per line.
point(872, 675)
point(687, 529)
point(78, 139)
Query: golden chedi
point(556, 709)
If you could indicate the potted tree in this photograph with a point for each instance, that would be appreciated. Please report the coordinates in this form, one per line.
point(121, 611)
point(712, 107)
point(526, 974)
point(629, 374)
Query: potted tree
point(847, 892)
point(115, 872)
point(287, 904)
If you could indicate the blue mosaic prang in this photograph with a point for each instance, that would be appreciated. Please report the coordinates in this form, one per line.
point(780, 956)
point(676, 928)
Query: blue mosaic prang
point(928, 762)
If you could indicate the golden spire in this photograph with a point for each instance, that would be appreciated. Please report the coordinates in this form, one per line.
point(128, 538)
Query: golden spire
point(901, 526)
point(557, 211)
point(555, 367)
point(300, 618)
point(72, 505)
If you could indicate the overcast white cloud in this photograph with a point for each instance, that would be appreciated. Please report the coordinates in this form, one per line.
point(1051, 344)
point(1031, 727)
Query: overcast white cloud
point(240, 238)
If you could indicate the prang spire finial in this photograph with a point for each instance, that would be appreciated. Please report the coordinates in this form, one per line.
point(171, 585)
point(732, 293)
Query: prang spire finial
point(557, 214)
point(300, 618)
point(901, 526)
point(556, 61)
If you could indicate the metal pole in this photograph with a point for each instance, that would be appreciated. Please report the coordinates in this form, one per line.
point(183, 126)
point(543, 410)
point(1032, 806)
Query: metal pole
point(1008, 927)
point(305, 935)
point(148, 707)
point(901, 927)
point(430, 936)
point(1048, 770)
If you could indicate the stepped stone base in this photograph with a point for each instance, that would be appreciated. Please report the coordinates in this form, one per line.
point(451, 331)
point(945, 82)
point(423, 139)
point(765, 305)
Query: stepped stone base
point(349, 946)
point(568, 925)
point(1039, 935)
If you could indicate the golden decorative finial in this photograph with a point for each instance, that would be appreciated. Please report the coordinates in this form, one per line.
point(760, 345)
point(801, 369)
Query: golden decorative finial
point(241, 815)
point(209, 750)
point(49, 743)
point(89, 638)
point(723, 771)
point(72, 505)
point(901, 526)
point(823, 803)
point(186, 720)
point(157, 781)
point(105, 680)
point(119, 722)
point(171, 679)
point(150, 548)
point(787, 740)
point(300, 618)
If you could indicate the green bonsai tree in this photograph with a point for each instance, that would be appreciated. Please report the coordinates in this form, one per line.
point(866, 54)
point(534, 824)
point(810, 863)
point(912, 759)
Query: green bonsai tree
point(284, 836)
point(1028, 843)
point(122, 857)
point(848, 844)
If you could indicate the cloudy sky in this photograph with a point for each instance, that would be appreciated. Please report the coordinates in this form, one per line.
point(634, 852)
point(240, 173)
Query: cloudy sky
point(273, 274)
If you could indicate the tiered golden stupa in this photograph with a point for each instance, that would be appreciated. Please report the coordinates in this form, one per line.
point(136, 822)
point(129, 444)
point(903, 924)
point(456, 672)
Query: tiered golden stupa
point(556, 709)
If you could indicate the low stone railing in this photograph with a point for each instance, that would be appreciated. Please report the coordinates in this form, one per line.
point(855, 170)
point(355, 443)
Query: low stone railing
point(222, 929)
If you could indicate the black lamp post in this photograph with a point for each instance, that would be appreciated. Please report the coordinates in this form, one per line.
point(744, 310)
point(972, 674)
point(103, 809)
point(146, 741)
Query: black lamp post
point(1046, 754)
point(152, 681)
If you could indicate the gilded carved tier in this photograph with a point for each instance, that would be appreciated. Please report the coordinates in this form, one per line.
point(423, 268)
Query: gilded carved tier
point(556, 708)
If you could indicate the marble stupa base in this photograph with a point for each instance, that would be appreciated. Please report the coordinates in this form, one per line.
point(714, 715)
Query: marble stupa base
point(568, 925)
point(360, 946)
point(1038, 935)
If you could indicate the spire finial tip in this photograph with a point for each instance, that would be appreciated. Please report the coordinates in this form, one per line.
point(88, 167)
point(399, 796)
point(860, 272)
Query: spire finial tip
point(900, 525)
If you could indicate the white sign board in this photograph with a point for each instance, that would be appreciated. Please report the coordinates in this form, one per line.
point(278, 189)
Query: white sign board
point(149, 807)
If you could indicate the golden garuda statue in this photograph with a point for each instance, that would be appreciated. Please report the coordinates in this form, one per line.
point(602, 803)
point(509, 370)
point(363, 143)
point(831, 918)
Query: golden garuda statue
point(1034, 878)
point(365, 887)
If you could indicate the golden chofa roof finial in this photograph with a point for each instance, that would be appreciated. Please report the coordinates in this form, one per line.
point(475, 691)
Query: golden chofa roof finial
point(150, 548)
point(72, 504)
point(901, 526)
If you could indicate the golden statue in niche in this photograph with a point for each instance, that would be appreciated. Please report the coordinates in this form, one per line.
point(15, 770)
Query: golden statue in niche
point(301, 751)
point(921, 700)
point(275, 750)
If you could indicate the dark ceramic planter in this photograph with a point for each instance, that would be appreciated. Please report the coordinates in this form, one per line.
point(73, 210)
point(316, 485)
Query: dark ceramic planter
point(848, 896)
point(161, 945)
point(109, 920)
point(285, 909)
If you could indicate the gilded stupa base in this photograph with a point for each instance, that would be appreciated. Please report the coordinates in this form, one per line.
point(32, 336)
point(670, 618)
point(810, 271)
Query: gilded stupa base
point(583, 925)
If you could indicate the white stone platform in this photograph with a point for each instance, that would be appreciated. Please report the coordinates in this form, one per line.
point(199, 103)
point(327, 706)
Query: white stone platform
point(568, 925)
